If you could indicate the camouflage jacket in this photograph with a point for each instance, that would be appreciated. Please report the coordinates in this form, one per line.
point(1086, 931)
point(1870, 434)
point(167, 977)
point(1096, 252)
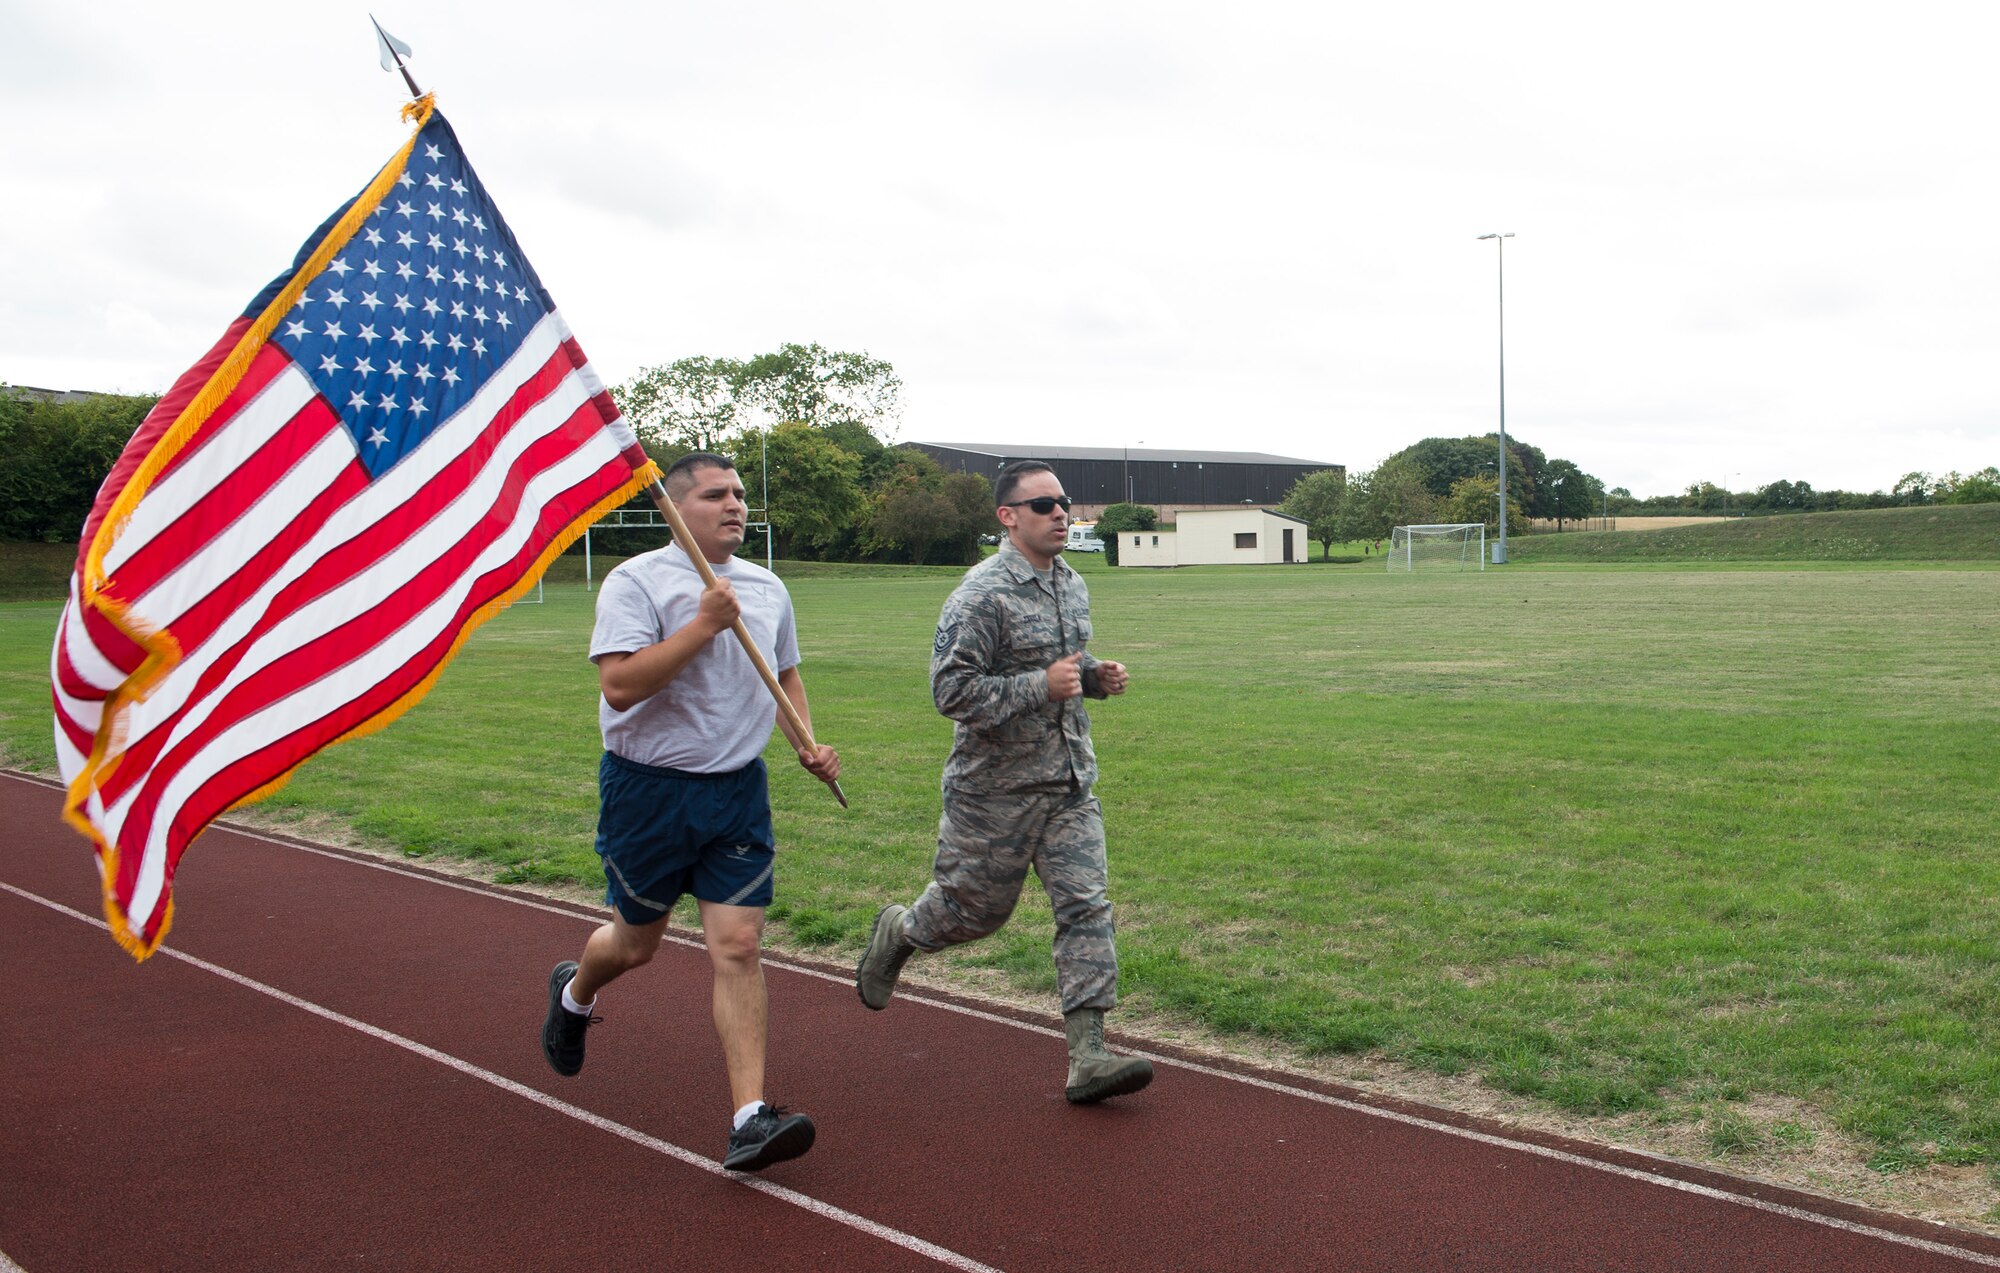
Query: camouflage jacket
point(997, 635)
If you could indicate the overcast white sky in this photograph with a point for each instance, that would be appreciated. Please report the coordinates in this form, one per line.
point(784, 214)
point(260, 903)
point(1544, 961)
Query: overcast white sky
point(1755, 240)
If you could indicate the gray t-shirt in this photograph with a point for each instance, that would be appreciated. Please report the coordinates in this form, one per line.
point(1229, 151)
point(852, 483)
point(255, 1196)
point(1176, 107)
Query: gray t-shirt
point(715, 716)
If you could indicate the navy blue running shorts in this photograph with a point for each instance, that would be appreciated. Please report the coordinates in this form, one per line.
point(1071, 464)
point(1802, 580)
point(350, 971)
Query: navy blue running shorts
point(664, 833)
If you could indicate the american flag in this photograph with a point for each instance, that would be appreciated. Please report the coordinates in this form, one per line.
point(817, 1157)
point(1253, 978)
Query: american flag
point(389, 445)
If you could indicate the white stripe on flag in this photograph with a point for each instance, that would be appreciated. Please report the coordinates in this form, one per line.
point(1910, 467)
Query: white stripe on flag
point(221, 454)
point(68, 759)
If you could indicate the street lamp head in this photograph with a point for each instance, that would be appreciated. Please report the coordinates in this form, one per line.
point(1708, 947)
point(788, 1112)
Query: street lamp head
point(1508, 235)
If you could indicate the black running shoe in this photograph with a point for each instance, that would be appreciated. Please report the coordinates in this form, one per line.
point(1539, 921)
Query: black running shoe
point(771, 1136)
point(562, 1030)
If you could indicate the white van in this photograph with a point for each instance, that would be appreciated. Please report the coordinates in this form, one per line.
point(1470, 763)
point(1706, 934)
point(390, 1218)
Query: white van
point(1083, 538)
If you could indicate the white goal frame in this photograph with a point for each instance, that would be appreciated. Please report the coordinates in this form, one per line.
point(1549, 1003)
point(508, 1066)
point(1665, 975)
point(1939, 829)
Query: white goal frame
point(1444, 546)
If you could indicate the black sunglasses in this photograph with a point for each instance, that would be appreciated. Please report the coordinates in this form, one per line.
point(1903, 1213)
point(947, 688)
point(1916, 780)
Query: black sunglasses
point(1042, 504)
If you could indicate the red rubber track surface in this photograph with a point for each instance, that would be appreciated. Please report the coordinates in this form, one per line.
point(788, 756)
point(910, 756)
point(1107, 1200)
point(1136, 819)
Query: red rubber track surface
point(165, 1116)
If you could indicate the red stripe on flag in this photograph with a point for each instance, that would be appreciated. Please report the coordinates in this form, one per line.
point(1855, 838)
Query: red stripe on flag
point(112, 645)
point(79, 737)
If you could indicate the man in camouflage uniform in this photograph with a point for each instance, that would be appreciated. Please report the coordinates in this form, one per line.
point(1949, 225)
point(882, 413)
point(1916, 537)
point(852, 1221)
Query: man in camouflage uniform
point(1010, 667)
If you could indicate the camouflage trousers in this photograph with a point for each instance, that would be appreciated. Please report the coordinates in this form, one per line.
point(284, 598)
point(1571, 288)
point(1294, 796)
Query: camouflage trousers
point(985, 847)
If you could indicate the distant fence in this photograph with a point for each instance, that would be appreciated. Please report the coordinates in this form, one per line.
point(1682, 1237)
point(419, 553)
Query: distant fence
point(1536, 525)
point(1632, 522)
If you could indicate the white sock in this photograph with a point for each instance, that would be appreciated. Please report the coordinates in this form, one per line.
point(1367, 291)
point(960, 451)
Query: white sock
point(744, 1115)
point(573, 1007)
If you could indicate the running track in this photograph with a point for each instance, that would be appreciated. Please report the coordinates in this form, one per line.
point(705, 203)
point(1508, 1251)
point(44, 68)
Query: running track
point(334, 1064)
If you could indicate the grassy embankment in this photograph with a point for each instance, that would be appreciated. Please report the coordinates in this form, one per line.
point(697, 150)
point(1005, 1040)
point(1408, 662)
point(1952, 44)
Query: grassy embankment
point(1947, 533)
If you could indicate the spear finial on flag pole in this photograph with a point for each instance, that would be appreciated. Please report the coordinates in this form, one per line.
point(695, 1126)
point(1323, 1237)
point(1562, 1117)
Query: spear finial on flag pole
point(393, 52)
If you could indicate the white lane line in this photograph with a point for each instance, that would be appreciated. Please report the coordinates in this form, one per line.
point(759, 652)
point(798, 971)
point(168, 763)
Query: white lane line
point(839, 1215)
point(1394, 1116)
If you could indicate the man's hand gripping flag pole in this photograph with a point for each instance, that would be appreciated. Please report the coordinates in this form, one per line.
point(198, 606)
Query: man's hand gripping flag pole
point(797, 732)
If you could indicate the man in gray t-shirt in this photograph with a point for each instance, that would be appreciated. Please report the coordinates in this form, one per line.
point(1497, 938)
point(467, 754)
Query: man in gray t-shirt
point(683, 802)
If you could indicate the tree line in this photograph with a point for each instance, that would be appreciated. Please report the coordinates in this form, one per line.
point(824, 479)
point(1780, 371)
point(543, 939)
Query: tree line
point(1786, 496)
point(54, 454)
point(1455, 480)
point(816, 418)
point(1440, 480)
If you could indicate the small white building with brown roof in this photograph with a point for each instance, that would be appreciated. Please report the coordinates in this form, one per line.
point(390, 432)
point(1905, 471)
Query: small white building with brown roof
point(1223, 537)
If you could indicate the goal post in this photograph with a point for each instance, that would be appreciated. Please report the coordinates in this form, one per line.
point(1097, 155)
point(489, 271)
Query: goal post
point(1451, 546)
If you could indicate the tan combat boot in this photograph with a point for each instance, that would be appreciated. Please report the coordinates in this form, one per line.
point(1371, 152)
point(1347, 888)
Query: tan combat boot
point(888, 949)
point(1093, 1072)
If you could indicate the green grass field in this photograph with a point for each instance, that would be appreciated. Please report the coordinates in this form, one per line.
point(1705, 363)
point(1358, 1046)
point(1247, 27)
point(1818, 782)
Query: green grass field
point(1613, 839)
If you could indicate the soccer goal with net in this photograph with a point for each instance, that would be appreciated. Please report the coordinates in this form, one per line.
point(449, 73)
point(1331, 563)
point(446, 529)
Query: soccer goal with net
point(1458, 546)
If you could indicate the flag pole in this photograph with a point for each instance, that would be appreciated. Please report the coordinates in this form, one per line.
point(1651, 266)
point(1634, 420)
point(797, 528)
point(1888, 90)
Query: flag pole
point(394, 50)
point(797, 732)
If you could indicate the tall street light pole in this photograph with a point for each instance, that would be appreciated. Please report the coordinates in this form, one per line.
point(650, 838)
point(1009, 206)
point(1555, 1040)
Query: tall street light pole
point(1500, 242)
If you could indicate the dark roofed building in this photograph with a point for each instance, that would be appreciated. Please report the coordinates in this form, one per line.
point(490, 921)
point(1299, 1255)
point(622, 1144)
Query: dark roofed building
point(1170, 481)
point(61, 396)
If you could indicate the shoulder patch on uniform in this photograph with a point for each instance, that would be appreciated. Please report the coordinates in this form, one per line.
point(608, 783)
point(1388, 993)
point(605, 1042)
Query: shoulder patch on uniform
point(947, 633)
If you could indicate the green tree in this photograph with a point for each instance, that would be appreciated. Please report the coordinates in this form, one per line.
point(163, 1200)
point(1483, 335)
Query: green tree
point(1913, 488)
point(912, 518)
point(1439, 463)
point(971, 497)
point(55, 455)
point(688, 405)
point(1982, 487)
point(920, 513)
point(1477, 499)
point(1568, 493)
point(814, 483)
point(1705, 497)
point(699, 403)
point(1392, 495)
point(1319, 500)
point(821, 387)
point(1127, 518)
point(1787, 497)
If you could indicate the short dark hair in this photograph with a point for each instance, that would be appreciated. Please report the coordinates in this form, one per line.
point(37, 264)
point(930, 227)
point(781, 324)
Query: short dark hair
point(680, 474)
point(1010, 477)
